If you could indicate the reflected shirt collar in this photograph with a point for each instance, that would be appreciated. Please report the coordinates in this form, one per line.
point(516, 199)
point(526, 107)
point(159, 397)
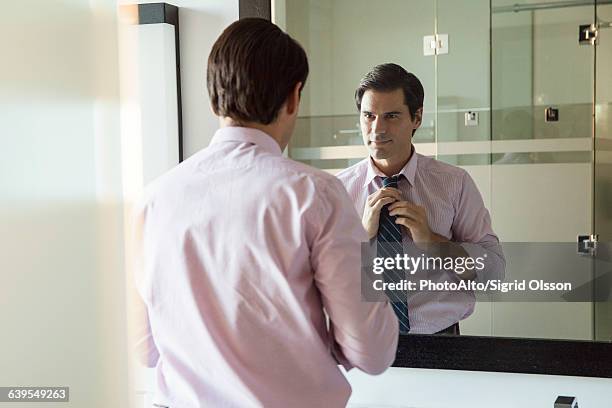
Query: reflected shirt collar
point(247, 135)
point(408, 171)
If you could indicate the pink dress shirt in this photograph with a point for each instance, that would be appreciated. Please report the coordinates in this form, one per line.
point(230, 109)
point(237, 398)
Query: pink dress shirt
point(456, 211)
point(242, 250)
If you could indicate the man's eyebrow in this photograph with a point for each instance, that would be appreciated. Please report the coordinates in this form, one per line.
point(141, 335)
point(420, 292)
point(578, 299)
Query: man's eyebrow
point(385, 113)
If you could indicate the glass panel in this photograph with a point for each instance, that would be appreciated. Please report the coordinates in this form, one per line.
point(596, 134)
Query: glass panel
point(463, 73)
point(463, 85)
point(512, 73)
point(603, 168)
point(531, 51)
point(541, 191)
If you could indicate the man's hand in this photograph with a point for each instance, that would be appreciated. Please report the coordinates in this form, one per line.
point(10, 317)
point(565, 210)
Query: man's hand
point(374, 202)
point(414, 217)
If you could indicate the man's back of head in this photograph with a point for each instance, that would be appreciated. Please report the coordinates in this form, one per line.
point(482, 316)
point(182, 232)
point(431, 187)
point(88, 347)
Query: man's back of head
point(253, 71)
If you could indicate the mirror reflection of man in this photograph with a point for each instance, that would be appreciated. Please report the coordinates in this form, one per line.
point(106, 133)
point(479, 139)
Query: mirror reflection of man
point(426, 203)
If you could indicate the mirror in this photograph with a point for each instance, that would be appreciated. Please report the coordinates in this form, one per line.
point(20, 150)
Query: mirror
point(525, 111)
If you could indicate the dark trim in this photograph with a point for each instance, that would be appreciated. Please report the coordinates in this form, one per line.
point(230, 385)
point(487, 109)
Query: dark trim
point(492, 354)
point(506, 354)
point(255, 8)
point(163, 13)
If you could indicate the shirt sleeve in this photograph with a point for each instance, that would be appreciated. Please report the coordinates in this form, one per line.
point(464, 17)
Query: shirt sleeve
point(366, 333)
point(141, 337)
point(143, 342)
point(472, 229)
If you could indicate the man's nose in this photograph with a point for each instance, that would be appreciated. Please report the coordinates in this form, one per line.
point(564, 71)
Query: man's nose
point(378, 127)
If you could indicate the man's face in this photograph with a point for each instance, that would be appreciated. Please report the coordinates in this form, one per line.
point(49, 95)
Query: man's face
point(387, 126)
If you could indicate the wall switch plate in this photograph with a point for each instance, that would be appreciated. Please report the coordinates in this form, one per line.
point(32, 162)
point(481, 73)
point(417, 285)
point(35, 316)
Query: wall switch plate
point(471, 118)
point(435, 44)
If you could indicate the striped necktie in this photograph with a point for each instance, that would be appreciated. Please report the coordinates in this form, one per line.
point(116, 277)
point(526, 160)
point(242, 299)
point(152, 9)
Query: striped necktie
point(389, 244)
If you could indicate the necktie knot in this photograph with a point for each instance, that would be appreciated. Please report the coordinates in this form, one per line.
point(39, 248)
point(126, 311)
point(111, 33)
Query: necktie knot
point(390, 181)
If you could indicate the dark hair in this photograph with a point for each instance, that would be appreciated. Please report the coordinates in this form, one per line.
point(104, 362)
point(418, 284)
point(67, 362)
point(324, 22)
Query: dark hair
point(389, 77)
point(252, 69)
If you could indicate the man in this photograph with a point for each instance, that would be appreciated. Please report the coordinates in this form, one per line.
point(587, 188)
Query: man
point(242, 251)
point(427, 203)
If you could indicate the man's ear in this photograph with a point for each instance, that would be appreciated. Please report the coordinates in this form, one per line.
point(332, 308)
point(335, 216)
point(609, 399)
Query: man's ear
point(418, 118)
point(293, 100)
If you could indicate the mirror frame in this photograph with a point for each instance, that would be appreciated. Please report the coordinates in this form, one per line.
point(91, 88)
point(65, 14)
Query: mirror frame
point(484, 353)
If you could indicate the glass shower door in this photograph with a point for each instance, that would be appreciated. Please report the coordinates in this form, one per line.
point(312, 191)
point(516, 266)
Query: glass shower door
point(603, 171)
point(544, 186)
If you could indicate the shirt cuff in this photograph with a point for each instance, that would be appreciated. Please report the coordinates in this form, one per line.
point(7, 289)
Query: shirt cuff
point(488, 258)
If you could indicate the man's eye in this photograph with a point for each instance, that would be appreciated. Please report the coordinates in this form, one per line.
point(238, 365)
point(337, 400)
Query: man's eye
point(368, 115)
point(392, 116)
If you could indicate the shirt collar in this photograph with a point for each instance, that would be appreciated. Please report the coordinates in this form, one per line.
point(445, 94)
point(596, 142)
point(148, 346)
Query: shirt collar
point(247, 135)
point(408, 171)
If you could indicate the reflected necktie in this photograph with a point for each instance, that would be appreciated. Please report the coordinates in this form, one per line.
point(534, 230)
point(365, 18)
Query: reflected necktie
point(389, 244)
